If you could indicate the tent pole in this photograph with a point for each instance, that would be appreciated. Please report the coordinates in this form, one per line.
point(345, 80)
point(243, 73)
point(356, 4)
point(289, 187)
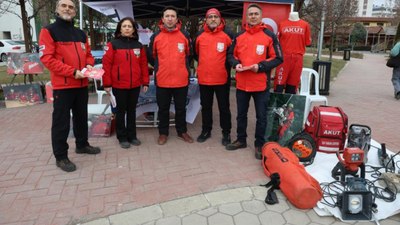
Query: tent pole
point(80, 15)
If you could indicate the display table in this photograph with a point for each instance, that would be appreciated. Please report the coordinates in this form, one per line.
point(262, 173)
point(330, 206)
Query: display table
point(148, 103)
point(146, 108)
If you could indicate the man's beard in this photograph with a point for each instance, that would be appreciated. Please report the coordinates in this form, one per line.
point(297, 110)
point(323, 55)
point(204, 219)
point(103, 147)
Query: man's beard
point(66, 17)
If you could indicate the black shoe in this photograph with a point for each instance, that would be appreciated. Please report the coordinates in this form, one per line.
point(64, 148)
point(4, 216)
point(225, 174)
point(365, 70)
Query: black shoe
point(258, 153)
point(124, 144)
point(204, 136)
point(226, 139)
point(66, 165)
point(135, 142)
point(235, 145)
point(88, 150)
point(397, 96)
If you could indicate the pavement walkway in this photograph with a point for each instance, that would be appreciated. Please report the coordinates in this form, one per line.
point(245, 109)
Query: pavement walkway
point(178, 183)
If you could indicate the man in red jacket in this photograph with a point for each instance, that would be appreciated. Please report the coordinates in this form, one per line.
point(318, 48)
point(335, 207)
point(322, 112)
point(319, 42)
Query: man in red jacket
point(65, 50)
point(169, 52)
point(210, 48)
point(254, 53)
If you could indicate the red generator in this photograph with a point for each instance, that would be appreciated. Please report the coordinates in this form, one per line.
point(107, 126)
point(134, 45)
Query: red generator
point(328, 127)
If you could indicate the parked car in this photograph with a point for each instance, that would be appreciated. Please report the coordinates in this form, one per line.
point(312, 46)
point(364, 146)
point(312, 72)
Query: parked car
point(7, 46)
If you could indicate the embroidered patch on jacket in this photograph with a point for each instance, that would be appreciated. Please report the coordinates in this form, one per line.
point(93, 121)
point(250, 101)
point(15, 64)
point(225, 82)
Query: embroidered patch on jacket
point(220, 46)
point(181, 47)
point(260, 49)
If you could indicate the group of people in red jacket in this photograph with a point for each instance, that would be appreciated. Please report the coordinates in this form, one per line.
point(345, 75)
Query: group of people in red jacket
point(253, 53)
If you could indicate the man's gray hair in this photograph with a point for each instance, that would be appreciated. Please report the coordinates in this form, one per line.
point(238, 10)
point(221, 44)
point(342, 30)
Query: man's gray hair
point(58, 3)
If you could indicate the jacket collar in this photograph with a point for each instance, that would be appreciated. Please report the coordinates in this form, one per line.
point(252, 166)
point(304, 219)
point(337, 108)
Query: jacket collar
point(164, 29)
point(217, 29)
point(62, 22)
point(256, 28)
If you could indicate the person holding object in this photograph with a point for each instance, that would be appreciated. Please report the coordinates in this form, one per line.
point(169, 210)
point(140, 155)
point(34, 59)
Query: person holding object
point(254, 53)
point(65, 50)
point(395, 53)
point(213, 73)
point(125, 70)
point(169, 52)
point(294, 35)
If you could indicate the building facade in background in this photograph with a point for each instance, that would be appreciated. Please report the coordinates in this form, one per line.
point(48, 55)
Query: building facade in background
point(11, 24)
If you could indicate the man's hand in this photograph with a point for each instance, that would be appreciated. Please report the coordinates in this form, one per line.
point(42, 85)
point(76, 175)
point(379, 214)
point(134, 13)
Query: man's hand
point(89, 67)
point(254, 68)
point(145, 88)
point(79, 74)
point(239, 68)
point(107, 90)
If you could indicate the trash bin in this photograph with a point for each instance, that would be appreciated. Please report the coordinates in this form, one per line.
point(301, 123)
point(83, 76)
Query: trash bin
point(346, 54)
point(324, 70)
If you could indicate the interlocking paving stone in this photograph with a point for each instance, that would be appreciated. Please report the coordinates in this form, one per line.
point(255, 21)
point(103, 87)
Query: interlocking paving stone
point(320, 219)
point(245, 218)
point(255, 206)
point(169, 221)
point(208, 212)
point(296, 217)
point(231, 208)
point(220, 219)
point(138, 216)
point(268, 218)
point(232, 195)
point(185, 205)
point(194, 219)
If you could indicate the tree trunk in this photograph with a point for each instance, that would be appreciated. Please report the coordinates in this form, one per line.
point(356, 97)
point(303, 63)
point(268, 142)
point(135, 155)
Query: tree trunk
point(332, 41)
point(26, 27)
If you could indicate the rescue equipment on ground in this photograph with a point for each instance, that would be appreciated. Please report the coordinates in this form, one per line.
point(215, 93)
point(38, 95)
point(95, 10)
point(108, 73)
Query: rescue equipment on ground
point(360, 136)
point(300, 188)
point(353, 159)
point(328, 127)
point(304, 147)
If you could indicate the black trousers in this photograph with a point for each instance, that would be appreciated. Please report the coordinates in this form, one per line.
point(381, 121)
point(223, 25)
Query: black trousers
point(207, 98)
point(164, 97)
point(65, 101)
point(126, 107)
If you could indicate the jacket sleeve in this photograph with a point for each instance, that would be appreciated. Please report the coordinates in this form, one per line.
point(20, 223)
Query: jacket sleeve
point(395, 50)
point(196, 47)
point(144, 68)
point(108, 61)
point(233, 61)
point(150, 51)
point(47, 56)
point(274, 56)
point(89, 57)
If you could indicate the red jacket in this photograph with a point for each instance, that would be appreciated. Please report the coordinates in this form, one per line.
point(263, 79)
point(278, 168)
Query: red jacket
point(169, 51)
point(210, 49)
point(64, 49)
point(125, 64)
point(255, 45)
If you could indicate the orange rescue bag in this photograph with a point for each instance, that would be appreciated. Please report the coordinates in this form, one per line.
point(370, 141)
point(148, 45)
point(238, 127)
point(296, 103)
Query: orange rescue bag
point(300, 188)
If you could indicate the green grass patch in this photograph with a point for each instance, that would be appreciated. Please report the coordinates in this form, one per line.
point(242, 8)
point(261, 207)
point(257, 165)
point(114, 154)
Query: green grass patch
point(336, 66)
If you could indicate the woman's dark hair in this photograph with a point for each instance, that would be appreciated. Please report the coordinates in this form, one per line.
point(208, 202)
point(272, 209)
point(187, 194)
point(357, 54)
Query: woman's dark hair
point(135, 34)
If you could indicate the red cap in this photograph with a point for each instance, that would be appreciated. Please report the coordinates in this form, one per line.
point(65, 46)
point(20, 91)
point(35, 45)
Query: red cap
point(213, 11)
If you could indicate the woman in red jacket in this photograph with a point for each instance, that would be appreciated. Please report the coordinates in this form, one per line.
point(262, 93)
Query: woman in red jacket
point(125, 70)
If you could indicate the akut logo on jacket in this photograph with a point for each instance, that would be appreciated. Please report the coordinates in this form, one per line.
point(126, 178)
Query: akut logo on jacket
point(293, 30)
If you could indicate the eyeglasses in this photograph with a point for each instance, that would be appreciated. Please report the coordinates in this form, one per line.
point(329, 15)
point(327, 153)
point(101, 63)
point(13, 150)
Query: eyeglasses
point(212, 17)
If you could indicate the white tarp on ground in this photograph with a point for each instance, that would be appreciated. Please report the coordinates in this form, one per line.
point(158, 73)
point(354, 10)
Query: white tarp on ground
point(321, 170)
